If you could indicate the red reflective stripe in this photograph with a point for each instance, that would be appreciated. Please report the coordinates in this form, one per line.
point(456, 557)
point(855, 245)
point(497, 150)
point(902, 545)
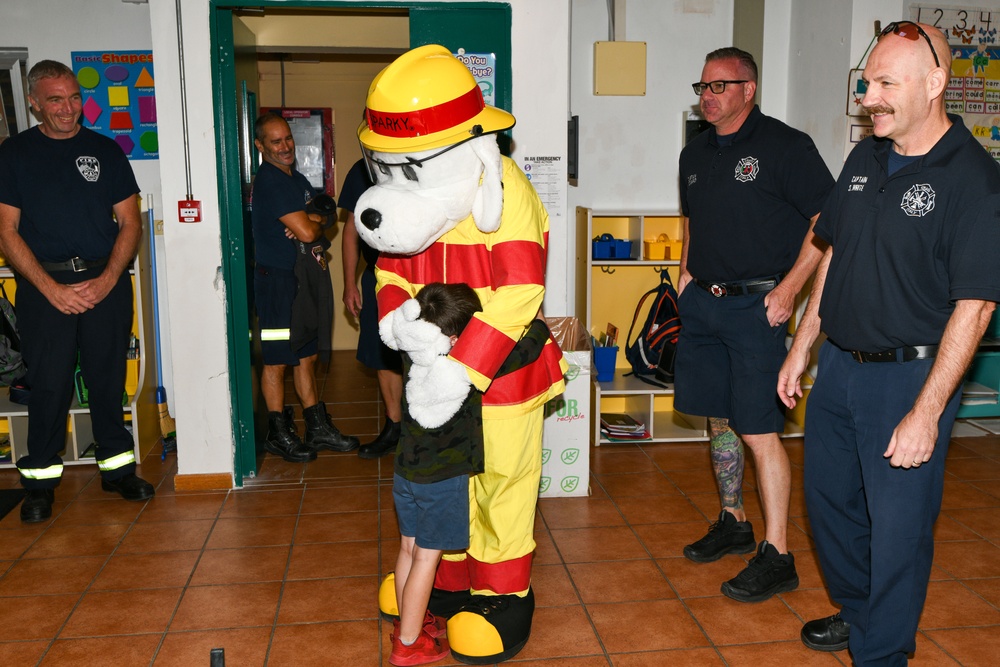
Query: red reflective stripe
point(526, 383)
point(452, 575)
point(433, 119)
point(390, 297)
point(482, 348)
point(509, 576)
point(518, 263)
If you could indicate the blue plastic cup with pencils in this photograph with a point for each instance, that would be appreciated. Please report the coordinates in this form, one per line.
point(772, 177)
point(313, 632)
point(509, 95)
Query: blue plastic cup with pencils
point(605, 358)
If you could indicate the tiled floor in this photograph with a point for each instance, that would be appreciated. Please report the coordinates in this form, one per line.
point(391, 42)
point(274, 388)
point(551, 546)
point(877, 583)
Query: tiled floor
point(285, 571)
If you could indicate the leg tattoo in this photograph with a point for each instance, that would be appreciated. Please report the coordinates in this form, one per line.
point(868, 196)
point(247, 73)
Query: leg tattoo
point(727, 461)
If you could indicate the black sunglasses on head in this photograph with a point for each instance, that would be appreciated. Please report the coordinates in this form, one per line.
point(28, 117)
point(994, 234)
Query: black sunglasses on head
point(903, 29)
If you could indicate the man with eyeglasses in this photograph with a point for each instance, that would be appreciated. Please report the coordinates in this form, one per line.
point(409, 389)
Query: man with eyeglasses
point(904, 293)
point(290, 253)
point(751, 189)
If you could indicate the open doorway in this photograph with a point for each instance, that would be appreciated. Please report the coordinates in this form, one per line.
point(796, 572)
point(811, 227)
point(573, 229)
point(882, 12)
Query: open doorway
point(279, 54)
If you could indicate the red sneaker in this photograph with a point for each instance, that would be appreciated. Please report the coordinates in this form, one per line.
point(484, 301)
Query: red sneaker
point(435, 626)
point(425, 650)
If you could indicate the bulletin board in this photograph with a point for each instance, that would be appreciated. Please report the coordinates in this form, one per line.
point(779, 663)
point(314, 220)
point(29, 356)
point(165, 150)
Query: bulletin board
point(974, 89)
point(119, 98)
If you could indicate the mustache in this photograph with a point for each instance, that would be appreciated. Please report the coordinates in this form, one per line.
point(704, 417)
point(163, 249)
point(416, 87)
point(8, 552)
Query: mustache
point(876, 110)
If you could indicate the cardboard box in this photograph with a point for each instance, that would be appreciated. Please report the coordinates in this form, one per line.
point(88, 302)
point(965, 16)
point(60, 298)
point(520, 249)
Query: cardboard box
point(566, 434)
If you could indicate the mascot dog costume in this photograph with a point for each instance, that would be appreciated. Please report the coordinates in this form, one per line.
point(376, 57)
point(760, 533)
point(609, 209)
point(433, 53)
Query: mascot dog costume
point(447, 207)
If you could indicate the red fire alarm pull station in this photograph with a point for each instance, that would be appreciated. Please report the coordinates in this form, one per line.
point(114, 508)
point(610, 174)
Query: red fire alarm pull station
point(189, 210)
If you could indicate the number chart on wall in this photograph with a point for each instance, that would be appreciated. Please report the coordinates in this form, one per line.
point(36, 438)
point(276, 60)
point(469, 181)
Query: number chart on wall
point(974, 89)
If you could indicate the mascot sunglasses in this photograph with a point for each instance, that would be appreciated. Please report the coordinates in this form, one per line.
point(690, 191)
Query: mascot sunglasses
point(372, 163)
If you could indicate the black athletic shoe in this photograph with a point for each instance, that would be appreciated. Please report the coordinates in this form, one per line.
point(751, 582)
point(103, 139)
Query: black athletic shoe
point(725, 536)
point(768, 573)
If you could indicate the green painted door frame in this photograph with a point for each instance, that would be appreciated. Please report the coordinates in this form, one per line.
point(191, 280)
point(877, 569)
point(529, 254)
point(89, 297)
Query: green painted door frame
point(479, 27)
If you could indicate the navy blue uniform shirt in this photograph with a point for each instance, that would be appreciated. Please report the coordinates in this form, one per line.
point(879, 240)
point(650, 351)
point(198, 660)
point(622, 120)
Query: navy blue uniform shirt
point(275, 194)
point(750, 202)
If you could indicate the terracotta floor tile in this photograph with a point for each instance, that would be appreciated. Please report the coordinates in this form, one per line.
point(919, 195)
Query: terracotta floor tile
point(679, 456)
point(652, 625)
point(619, 459)
point(982, 522)
point(809, 603)
point(777, 653)
point(950, 604)
point(246, 647)
point(89, 512)
point(586, 661)
point(122, 612)
point(51, 575)
point(627, 581)
point(232, 606)
point(38, 617)
point(693, 657)
point(623, 485)
point(16, 541)
point(657, 509)
point(808, 569)
point(22, 653)
point(337, 559)
point(580, 545)
point(166, 536)
point(579, 512)
point(241, 566)
point(692, 579)
point(728, 622)
point(252, 532)
point(168, 569)
point(72, 540)
point(320, 600)
point(552, 586)
point(667, 540)
point(962, 495)
point(275, 469)
point(260, 502)
point(968, 560)
point(339, 527)
point(341, 499)
point(947, 529)
point(134, 650)
point(310, 645)
point(545, 550)
point(695, 481)
point(560, 632)
point(988, 589)
point(966, 645)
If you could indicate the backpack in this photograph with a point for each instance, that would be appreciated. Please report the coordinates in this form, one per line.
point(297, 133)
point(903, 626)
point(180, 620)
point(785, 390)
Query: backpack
point(651, 354)
point(11, 363)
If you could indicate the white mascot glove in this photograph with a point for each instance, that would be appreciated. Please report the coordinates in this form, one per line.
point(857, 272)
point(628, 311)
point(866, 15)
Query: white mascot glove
point(434, 393)
point(403, 330)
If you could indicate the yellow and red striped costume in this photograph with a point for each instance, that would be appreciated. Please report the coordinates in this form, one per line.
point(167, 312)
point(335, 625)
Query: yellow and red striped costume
point(507, 270)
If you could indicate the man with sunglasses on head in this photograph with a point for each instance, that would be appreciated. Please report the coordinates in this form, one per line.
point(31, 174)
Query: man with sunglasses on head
point(290, 253)
point(751, 189)
point(903, 293)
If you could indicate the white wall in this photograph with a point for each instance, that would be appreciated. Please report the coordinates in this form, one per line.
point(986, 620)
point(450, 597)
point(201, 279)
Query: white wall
point(629, 145)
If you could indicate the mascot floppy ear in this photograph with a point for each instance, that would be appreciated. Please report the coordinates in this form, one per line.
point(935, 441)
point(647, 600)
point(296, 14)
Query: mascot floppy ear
point(488, 205)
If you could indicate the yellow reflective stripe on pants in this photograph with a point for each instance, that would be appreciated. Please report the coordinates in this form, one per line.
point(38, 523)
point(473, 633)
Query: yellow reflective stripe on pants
point(275, 334)
point(116, 462)
point(52, 472)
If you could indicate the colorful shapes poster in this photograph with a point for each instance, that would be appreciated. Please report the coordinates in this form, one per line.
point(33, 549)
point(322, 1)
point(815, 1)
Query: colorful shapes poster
point(119, 98)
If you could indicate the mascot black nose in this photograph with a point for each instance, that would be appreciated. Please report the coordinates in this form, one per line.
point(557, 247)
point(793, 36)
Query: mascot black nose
point(371, 218)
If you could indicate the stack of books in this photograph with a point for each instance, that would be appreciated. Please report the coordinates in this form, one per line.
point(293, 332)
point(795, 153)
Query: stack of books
point(621, 426)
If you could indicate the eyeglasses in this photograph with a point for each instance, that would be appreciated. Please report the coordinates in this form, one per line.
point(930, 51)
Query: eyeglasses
point(718, 87)
point(900, 28)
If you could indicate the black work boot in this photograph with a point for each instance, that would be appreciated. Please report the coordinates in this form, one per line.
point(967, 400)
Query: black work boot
point(289, 414)
point(322, 434)
point(384, 444)
point(282, 441)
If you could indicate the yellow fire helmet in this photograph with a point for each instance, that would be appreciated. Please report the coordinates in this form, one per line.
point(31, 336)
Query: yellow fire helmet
point(427, 98)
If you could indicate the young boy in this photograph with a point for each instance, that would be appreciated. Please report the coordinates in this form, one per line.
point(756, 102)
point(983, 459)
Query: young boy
point(431, 486)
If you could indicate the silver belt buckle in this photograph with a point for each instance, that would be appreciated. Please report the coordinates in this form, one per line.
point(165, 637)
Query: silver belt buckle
point(78, 264)
point(717, 290)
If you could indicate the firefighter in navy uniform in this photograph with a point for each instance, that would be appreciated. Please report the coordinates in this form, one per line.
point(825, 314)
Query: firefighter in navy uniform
point(70, 227)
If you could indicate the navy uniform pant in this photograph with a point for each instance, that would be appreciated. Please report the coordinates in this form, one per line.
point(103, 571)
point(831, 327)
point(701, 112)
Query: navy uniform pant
point(50, 341)
point(873, 524)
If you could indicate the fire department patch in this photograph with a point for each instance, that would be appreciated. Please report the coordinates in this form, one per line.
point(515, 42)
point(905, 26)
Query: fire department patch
point(918, 200)
point(747, 169)
point(319, 254)
point(89, 168)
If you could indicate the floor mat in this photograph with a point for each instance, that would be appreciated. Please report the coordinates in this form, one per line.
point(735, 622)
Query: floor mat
point(9, 499)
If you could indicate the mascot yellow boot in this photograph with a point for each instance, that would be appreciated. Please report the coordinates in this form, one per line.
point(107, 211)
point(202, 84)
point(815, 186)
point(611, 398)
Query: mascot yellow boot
point(447, 207)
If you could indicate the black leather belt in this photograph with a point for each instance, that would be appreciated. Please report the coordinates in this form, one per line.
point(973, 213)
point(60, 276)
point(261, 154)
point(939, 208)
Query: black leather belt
point(76, 265)
point(899, 354)
point(740, 287)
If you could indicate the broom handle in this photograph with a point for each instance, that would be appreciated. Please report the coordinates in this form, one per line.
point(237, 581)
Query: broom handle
point(156, 301)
